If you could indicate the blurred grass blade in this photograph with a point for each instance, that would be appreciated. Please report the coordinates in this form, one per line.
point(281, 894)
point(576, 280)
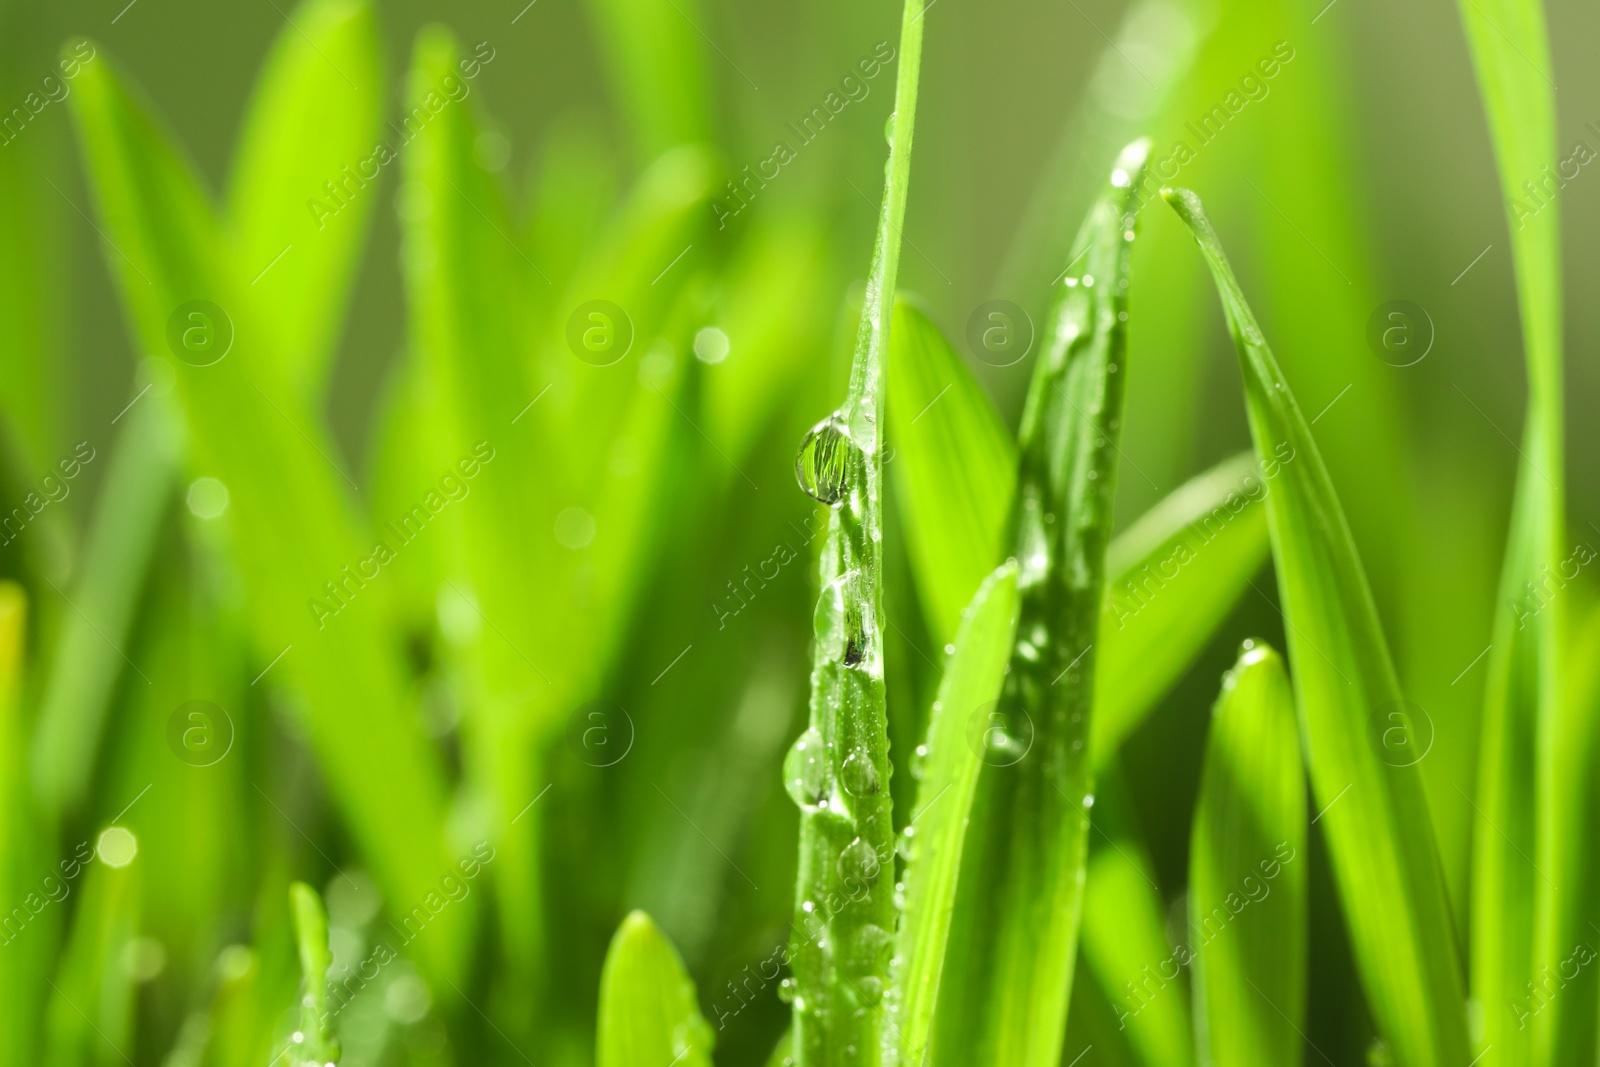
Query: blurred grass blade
point(1530, 915)
point(648, 1012)
point(949, 778)
point(838, 770)
point(954, 472)
point(1125, 942)
point(1015, 936)
point(1173, 578)
point(90, 1013)
point(652, 50)
point(86, 662)
point(1247, 893)
point(1374, 813)
point(291, 523)
point(311, 939)
point(305, 177)
point(25, 948)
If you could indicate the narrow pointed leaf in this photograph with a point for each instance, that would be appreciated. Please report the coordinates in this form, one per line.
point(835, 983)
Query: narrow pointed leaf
point(1247, 873)
point(1015, 936)
point(954, 470)
point(306, 176)
point(971, 682)
point(1375, 817)
point(648, 1012)
point(311, 939)
point(838, 770)
point(1530, 859)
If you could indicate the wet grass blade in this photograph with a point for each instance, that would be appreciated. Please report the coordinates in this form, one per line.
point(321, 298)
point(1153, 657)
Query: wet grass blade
point(311, 939)
point(937, 830)
point(1248, 874)
point(1173, 577)
point(954, 471)
point(1015, 936)
point(1374, 813)
point(838, 770)
point(305, 177)
point(648, 1012)
point(1530, 914)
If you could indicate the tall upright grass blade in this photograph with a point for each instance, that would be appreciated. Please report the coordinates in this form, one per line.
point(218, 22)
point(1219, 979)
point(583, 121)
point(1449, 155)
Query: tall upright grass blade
point(305, 175)
point(1015, 935)
point(949, 779)
point(648, 1012)
point(317, 1044)
point(1532, 853)
point(955, 468)
point(1374, 813)
point(86, 663)
point(1247, 872)
point(838, 770)
point(315, 621)
point(1172, 578)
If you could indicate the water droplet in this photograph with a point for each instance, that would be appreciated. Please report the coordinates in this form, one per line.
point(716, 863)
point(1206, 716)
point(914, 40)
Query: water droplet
point(888, 127)
point(1088, 800)
point(870, 989)
point(859, 775)
point(805, 769)
point(905, 844)
point(787, 990)
point(859, 861)
point(950, 649)
point(919, 760)
point(1088, 280)
point(822, 467)
point(1119, 178)
point(829, 621)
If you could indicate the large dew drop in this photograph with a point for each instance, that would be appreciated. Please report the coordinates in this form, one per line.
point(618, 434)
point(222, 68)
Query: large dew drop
point(824, 461)
point(859, 863)
point(860, 777)
point(805, 769)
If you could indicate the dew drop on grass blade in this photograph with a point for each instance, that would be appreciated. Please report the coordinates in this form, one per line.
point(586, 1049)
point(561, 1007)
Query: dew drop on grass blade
point(317, 1044)
point(1248, 872)
point(1534, 880)
point(838, 770)
point(1374, 813)
point(1014, 937)
point(648, 1011)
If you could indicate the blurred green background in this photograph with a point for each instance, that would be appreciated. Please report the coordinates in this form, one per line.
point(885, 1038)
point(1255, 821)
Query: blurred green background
point(1363, 175)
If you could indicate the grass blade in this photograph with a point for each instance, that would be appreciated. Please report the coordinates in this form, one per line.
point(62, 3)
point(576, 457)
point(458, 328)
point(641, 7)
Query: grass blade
point(1175, 574)
point(1375, 815)
point(301, 200)
point(311, 938)
point(838, 771)
point(1015, 936)
point(944, 800)
point(1247, 895)
point(648, 1012)
point(954, 472)
point(652, 49)
point(1529, 915)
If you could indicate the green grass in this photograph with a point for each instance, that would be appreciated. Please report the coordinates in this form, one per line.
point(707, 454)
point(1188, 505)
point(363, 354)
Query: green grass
point(562, 728)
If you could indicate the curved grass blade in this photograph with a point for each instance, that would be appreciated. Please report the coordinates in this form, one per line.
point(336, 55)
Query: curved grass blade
point(955, 468)
point(648, 1012)
point(311, 938)
point(1015, 936)
point(948, 781)
point(1530, 915)
point(304, 177)
point(1247, 895)
point(1375, 814)
point(1174, 576)
point(838, 770)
